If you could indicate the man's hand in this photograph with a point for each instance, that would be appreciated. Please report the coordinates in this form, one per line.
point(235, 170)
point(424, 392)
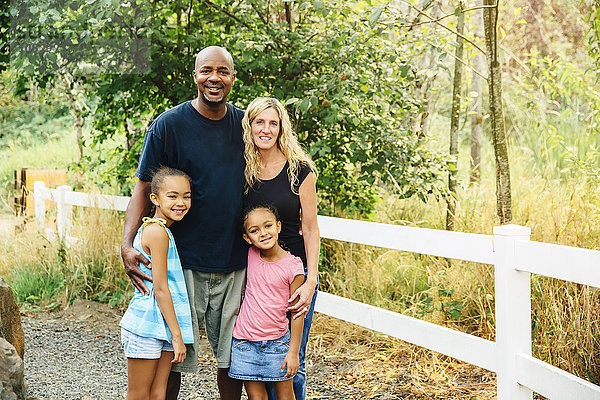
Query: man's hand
point(131, 260)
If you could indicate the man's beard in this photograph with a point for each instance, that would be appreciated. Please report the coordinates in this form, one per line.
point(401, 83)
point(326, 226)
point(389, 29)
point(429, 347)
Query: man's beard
point(214, 101)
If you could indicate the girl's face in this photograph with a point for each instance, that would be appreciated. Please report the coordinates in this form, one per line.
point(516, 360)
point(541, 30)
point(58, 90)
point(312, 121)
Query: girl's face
point(173, 199)
point(262, 229)
point(265, 129)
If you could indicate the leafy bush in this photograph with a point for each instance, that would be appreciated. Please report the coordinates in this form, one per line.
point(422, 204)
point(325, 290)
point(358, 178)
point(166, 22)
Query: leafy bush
point(348, 82)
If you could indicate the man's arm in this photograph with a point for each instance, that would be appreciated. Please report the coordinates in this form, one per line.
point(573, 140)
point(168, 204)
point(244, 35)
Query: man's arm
point(138, 207)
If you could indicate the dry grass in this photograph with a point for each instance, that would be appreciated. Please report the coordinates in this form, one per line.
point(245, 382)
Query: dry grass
point(46, 275)
point(566, 317)
point(387, 368)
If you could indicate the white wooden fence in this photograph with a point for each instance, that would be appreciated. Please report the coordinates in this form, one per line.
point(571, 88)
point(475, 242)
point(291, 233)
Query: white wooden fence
point(509, 249)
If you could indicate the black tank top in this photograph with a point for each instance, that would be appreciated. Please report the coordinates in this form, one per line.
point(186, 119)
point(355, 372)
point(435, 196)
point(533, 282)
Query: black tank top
point(278, 193)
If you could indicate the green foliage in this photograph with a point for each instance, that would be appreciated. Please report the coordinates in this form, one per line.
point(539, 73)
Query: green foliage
point(4, 34)
point(562, 127)
point(346, 78)
point(25, 125)
point(50, 283)
point(594, 32)
point(49, 37)
point(37, 284)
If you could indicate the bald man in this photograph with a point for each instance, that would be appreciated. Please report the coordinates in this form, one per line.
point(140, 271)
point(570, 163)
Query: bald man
point(202, 137)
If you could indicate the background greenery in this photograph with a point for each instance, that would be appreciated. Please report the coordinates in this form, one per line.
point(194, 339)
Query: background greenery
point(356, 77)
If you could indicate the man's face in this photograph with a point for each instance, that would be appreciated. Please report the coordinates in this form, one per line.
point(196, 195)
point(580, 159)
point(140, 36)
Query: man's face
point(214, 75)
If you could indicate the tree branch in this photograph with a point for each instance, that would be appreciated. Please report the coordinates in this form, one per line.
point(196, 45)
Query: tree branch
point(214, 6)
point(263, 18)
point(444, 17)
point(445, 27)
point(460, 61)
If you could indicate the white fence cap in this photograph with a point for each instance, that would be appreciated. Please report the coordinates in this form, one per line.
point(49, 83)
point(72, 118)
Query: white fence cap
point(512, 230)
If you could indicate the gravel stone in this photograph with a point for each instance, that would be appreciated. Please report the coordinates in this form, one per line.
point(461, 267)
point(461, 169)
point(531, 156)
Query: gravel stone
point(77, 355)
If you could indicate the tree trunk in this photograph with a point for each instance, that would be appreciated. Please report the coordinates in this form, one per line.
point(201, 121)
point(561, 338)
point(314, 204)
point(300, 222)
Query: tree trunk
point(72, 89)
point(427, 61)
point(79, 131)
point(503, 195)
point(454, 123)
point(288, 16)
point(476, 115)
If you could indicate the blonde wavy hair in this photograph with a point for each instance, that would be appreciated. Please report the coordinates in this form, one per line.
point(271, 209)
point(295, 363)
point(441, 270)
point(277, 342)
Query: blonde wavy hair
point(287, 142)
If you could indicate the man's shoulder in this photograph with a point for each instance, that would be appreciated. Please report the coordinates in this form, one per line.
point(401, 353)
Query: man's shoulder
point(174, 112)
point(236, 112)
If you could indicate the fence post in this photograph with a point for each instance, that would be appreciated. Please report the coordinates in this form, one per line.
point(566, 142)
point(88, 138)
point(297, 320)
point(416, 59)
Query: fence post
point(513, 311)
point(64, 212)
point(39, 204)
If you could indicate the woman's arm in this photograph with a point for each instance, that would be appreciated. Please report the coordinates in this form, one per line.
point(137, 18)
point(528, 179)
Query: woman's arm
point(312, 242)
point(156, 240)
point(292, 361)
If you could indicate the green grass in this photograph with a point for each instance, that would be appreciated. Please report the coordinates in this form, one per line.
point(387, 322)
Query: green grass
point(45, 274)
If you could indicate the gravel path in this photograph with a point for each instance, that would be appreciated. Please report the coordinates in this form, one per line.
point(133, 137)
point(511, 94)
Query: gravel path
point(76, 354)
point(65, 360)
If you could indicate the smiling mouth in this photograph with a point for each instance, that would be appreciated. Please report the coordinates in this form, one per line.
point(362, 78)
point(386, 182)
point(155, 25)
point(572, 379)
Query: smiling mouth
point(214, 88)
point(264, 138)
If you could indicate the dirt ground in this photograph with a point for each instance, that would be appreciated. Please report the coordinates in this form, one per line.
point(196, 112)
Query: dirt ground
point(346, 362)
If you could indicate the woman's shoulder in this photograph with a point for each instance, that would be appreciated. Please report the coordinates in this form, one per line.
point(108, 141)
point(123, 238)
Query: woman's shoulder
point(303, 170)
point(303, 166)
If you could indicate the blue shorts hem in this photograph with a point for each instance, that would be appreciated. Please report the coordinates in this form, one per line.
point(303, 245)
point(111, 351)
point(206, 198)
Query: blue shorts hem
point(258, 378)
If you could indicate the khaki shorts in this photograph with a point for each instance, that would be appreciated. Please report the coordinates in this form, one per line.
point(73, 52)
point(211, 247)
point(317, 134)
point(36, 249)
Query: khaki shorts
point(215, 299)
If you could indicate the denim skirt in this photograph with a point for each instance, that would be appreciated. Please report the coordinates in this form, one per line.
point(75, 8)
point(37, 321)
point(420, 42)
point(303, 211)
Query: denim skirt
point(259, 361)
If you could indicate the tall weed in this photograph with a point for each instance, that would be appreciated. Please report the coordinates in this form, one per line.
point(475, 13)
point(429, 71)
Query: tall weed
point(45, 274)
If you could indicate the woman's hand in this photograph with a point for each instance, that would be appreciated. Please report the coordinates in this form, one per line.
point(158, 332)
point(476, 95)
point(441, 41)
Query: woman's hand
point(304, 294)
point(179, 351)
point(292, 363)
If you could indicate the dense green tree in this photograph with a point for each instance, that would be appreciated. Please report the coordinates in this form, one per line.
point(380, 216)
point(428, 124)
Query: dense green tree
point(347, 79)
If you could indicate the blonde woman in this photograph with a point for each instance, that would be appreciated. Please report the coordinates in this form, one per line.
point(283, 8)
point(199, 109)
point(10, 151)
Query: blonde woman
point(280, 173)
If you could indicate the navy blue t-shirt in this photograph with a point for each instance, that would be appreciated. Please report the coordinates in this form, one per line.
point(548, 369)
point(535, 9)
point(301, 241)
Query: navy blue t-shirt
point(209, 238)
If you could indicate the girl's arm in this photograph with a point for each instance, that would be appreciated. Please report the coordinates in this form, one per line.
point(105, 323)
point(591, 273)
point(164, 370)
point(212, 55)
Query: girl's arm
point(312, 243)
point(292, 361)
point(156, 240)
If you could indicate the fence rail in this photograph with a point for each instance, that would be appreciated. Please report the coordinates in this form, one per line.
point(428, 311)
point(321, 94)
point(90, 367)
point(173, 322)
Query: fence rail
point(509, 249)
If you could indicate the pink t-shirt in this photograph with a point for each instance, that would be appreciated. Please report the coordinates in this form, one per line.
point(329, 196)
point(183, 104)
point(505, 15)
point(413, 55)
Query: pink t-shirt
point(262, 315)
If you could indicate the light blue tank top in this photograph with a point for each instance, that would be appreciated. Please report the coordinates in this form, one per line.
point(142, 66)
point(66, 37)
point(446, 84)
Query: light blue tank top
point(143, 316)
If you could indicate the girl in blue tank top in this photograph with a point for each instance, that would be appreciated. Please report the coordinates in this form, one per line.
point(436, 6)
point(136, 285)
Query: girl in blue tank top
point(156, 327)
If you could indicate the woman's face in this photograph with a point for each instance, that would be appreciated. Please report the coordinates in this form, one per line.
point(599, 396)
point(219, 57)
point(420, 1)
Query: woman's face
point(265, 129)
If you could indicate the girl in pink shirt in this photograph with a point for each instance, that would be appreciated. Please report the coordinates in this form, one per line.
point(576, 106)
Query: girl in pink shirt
point(263, 348)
